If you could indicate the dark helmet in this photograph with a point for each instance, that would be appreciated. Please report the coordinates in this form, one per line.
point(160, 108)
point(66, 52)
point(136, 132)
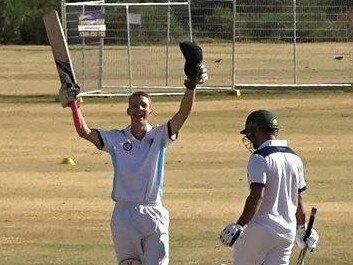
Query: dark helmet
point(260, 119)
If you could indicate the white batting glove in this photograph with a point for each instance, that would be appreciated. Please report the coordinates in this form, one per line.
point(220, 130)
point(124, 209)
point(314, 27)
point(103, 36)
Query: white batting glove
point(310, 242)
point(230, 234)
point(68, 93)
point(201, 76)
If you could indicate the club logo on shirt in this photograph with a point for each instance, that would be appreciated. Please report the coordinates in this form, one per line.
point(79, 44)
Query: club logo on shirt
point(127, 146)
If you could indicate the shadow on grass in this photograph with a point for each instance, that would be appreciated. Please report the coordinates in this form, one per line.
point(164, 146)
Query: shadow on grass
point(47, 98)
point(28, 99)
point(201, 96)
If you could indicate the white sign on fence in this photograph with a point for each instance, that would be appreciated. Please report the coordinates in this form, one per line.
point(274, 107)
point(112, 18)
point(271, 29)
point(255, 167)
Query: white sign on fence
point(134, 19)
point(92, 24)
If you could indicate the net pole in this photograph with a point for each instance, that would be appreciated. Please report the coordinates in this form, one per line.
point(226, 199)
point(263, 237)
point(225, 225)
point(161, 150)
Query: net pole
point(63, 17)
point(101, 57)
point(83, 51)
point(167, 47)
point(190, 20)
point(295, 66)
point(233, 47)
point(128, 46)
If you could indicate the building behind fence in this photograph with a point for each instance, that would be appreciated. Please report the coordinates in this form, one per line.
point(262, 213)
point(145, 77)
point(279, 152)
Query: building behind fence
point(245, 42)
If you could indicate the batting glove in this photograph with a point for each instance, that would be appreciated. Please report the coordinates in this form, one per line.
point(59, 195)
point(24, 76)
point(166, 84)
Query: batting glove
point(202, 77)
point(230, 234)
point(68, 93)
point(194, 69)
point(310, 242)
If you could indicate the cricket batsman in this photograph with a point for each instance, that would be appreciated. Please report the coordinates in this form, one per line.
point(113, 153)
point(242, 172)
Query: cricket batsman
point(140, 222)
point(273, 216)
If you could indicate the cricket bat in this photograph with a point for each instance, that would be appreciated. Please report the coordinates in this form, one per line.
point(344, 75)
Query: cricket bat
point(59, 48)
point(302, 254)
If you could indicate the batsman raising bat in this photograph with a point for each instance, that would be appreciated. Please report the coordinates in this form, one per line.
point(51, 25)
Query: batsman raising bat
point(139, 221)
point(273, 216)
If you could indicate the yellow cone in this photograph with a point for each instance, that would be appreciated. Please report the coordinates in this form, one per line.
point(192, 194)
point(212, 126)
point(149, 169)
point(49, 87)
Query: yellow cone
point(68, 161)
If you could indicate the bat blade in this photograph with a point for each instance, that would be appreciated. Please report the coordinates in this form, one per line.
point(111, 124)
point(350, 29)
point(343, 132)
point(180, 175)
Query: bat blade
point(59, 48)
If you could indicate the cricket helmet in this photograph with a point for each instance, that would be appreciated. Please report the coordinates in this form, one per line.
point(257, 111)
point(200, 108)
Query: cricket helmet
point(263, 119)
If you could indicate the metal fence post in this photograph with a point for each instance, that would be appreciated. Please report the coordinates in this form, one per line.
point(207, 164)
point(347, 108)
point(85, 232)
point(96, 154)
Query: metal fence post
point(190, 20)
point(63, 17)
point(128, 46)
point(167, 47)
point(83, 49)
point(295, 77)
point(101, 54)
point(233, 48)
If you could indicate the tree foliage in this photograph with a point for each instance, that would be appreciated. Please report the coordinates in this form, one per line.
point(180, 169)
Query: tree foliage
point(12, 16)
point(21, 20)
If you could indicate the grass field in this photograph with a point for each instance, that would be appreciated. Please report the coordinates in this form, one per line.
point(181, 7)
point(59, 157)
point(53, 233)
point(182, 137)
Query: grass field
point(59, 214)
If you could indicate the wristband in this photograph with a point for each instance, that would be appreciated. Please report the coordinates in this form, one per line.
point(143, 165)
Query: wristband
point(76, 114)
point(240, 223)
point(189, 84)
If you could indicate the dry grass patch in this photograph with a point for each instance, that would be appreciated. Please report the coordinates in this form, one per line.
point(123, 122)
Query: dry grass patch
point(57, 214)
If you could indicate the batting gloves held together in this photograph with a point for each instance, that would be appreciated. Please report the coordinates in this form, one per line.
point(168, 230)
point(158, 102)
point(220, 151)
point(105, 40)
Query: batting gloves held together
point(194, 69)
point(202, 77)
point(310, 242)
point(230, 234)
point(68, 93)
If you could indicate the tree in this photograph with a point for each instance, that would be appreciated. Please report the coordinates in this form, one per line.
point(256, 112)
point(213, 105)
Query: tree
point(12, 15)
point(21, 21)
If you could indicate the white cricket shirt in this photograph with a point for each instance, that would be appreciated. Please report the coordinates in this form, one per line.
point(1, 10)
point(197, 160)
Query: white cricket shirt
point(280, 170)
point(138, 165)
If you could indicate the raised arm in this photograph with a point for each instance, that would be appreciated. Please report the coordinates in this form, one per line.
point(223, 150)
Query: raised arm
point(185, 108)
point(196, 73)
point(81, 126)
point(68, 98)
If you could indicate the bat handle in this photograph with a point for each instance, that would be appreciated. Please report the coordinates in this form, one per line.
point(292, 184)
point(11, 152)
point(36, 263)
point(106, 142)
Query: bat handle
point(310, 223)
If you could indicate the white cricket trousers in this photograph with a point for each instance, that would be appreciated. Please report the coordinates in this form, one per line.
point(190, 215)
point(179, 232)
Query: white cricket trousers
point(259, 245)
point(141, 232)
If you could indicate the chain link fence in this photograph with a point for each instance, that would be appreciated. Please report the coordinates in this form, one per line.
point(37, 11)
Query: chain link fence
point(245, 43)
point(140, 48)
point(276, 42)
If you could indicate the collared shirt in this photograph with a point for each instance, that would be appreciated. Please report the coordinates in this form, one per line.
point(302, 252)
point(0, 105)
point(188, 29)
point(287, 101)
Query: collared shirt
point(138, 165)
point(275, 166)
